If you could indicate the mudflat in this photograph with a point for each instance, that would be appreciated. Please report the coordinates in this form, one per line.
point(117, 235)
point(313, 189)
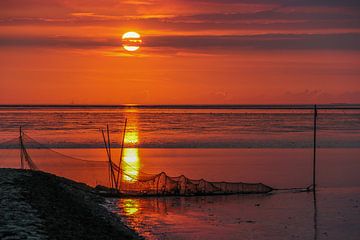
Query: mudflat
point(38, 205)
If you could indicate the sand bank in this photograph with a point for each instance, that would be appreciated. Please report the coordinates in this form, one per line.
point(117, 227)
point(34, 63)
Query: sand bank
point(37, 205)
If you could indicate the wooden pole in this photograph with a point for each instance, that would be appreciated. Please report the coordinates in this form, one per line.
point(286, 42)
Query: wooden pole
point(121, 152)
point(111, 166)
point(315, 145)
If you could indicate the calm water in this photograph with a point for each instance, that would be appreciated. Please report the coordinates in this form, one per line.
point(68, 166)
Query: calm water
point(269, 146)
point(183, 128)
point(273, 217)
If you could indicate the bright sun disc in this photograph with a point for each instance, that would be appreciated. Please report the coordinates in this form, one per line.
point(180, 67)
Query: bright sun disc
point(131, 41)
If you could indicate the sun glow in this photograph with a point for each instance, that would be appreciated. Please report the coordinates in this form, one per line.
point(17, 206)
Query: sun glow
point(131, 41)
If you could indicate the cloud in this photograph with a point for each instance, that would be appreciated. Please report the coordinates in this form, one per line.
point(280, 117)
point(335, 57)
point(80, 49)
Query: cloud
point(230, 42)
point(57, 42)
point(270, 20)
point(317, 95)
point(270, 15)
point(283, 14)
point(266, 41)
point(326, 3)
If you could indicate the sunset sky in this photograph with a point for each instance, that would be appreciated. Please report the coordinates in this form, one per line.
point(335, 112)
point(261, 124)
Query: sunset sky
point(192, 52)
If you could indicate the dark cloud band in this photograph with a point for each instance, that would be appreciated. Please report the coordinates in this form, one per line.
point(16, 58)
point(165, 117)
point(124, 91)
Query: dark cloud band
point(347, 41)
point(267, 41)
point(310, 3)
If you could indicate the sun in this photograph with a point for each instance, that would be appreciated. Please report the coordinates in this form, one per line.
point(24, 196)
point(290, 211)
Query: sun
point(131, 41)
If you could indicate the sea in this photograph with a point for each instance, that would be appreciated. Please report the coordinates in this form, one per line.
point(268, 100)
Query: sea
point(272, 144)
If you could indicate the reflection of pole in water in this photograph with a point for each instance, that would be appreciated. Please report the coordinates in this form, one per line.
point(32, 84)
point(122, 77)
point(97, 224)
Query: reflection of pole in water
point(314, 174)
point(314, 156)
point(315, 216)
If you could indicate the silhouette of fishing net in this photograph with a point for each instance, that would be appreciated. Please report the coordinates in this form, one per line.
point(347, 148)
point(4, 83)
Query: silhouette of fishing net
point(162, 184)
point(42, 158)
point(131, 181)
point(9, 153)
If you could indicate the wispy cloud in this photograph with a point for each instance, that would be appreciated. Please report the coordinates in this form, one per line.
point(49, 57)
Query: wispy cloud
point(186, 15)
point(57, 42)
point(343, 3)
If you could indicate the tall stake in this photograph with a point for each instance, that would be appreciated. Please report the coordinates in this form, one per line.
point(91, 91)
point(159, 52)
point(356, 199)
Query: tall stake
point(314, 156)
point(121, 151)
point(111, 164)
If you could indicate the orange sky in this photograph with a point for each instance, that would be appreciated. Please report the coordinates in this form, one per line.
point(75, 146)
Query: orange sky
point(193, 52)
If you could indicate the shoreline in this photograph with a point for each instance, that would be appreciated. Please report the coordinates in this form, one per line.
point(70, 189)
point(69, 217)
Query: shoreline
point(40, 205)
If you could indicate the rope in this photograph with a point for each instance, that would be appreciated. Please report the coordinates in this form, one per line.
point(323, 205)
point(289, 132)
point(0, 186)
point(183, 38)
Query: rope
point(143, 182)
point(14, 141)
point(127, 166)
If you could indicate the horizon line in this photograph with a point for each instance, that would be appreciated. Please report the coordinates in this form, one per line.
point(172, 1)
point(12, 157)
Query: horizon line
point(192, 106)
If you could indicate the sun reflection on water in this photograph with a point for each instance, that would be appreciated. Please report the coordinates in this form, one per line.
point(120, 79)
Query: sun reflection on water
point(131, 159)
point(131, 164)
point(130, 206)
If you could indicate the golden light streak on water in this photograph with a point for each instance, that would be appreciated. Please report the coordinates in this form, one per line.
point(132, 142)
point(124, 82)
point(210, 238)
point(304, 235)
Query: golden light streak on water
point(131, 159)
point(130, 206)
point(132, 164)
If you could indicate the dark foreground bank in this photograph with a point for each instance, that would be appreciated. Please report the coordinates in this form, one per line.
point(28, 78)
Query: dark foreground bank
point(37, 205)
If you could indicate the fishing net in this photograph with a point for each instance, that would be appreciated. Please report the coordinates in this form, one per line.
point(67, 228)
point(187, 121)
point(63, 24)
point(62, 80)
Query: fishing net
point(162, 184)
point(108, 175)
point(40, 157)
point(9, 153)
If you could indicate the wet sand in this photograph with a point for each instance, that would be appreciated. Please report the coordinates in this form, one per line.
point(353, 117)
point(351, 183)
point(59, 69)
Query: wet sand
point(334, 215)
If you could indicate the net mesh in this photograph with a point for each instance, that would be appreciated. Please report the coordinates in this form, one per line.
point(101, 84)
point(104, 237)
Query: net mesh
point(108, 175)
